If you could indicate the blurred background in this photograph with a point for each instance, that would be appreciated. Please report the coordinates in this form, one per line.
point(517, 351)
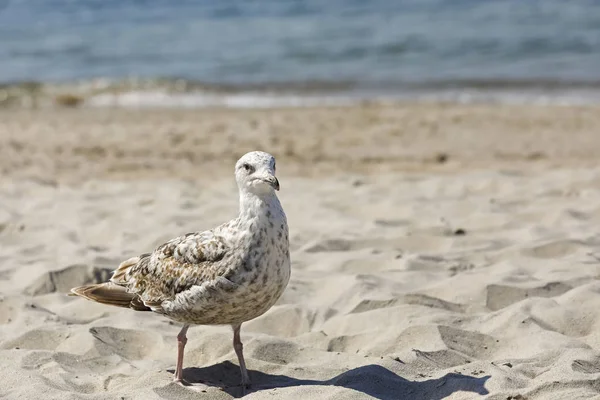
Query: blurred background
point(269, 53)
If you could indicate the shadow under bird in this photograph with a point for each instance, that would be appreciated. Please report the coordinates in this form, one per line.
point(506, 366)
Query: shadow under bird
point(225, 276)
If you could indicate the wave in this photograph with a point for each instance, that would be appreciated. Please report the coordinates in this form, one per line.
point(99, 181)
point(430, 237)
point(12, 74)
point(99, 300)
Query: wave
point(182, 93)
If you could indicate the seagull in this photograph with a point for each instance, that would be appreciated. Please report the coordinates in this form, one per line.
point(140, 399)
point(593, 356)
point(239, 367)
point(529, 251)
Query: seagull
point(224, 276)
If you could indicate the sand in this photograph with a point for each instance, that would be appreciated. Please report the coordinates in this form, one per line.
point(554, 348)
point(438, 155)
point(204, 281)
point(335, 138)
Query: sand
point(439, 251)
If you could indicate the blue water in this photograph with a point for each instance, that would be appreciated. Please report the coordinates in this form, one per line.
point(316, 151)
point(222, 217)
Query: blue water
point(374, 44)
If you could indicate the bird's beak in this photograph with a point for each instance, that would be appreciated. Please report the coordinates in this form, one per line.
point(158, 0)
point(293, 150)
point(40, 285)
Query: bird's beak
point(271, 180)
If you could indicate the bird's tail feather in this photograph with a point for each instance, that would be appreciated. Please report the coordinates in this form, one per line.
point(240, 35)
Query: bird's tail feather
point(111, 294)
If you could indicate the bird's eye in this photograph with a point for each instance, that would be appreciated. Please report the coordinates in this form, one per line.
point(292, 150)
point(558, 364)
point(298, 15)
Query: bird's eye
point(248, 167)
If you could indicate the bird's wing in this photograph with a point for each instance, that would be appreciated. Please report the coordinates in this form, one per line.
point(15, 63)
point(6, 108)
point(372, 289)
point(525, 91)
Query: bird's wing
point(172, 268)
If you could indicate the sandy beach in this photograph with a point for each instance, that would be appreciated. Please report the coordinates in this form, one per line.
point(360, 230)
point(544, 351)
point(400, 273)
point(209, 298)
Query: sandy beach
point(439, 251)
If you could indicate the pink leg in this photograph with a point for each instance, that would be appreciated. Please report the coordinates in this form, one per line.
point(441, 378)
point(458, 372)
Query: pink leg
point(181, 341)
point(239, 351)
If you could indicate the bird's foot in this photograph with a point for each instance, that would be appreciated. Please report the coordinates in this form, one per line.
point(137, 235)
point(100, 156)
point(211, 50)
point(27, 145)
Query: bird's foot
point(199, 386)
point(244, 386)
point(187, 383)
point(181, 381)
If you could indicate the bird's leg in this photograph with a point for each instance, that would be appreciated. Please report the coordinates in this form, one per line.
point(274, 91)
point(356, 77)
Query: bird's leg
point(239, 351)
point(181, 341)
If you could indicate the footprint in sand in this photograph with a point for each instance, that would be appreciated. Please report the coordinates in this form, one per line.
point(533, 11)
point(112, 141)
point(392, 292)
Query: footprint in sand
point(64, 279)
point(131, 344)
point(500, 296)
point(556, 249)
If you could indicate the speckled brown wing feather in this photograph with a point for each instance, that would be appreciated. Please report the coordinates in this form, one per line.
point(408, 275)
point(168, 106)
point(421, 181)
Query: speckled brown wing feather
point(172, 268)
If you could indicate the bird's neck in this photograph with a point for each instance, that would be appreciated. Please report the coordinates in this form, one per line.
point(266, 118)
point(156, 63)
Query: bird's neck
point(261, 219)
point(258, 208)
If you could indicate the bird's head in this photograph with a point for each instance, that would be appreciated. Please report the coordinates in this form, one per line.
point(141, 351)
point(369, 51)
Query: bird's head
point(255, 173)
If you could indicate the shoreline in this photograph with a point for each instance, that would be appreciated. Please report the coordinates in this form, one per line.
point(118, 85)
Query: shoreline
point(173, 93)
